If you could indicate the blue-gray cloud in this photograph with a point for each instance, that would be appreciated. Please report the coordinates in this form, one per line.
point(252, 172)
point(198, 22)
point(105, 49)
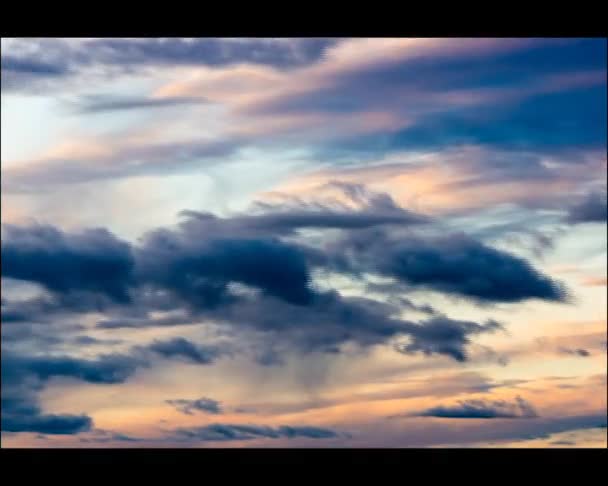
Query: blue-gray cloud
point(93, 260)
point(23, 377)
point(31, 64)
point(524, 99)
point(180, 347)
point(230, 432)
point(441, 335)
point(203, 404)
point(32, 420)
point(249, 272)
point(454, 264)
point(592, 209)
point(483, 409)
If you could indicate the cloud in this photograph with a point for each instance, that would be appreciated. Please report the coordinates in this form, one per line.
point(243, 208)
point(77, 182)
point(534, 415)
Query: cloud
point(206, 253)
point(32, 420)
point(257, 274)
point(33, 67)
point(483, 409)
point(246, 250)
point(94, 260)
point(101, 436)
point(443, 93)
point(447, 384)
point(346, 100)
point(229, 432)
point(93, 341)
point(182, 348)
point(442, 335)
point(454, 264)
point(372, 209)
point(271, 279)
point(23, 377)
point(48, 308)
point(115, 158)
point(141, 322)
point(30, 64)
point(592, 209)
point(456, 180)
point(576, 352)
point(201, 269)
point(101, 103)
point(203, 404)
point(105, 369)
point(563, 443)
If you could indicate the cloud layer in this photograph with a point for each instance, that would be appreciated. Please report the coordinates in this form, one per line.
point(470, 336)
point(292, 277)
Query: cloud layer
point(317, 232)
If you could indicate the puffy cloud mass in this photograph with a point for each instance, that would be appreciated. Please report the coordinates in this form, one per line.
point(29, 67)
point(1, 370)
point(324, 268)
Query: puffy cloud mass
point(93, 260)
point(255, 273)
point(454, 264)
point(259, 271)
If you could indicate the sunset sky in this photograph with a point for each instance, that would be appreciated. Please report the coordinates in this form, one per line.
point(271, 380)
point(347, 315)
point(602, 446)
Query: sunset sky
point(304, 242)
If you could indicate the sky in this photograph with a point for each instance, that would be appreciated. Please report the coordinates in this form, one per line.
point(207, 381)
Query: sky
point(342, 242)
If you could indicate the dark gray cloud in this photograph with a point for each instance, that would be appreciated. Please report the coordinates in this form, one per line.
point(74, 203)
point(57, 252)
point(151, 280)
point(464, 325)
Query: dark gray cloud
point(197, 261)
point(84, 340)
point(93, 260)
point(23, 377)
point(52, 336)
point(105, 369)
point(255, 273)
point(32, 67)
point(246, 249)
point(449, 433)
point(33, 64)
point(140, 322)
point(441, 335)
point(200, 270)
point(324, 324)
point(285, 221)
point(483, 409)
point(230, 432)
point(32, 420)
point(180, 347)
point(592, 209)
point(454, 264)
point(203, 404)
point(48, 308)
